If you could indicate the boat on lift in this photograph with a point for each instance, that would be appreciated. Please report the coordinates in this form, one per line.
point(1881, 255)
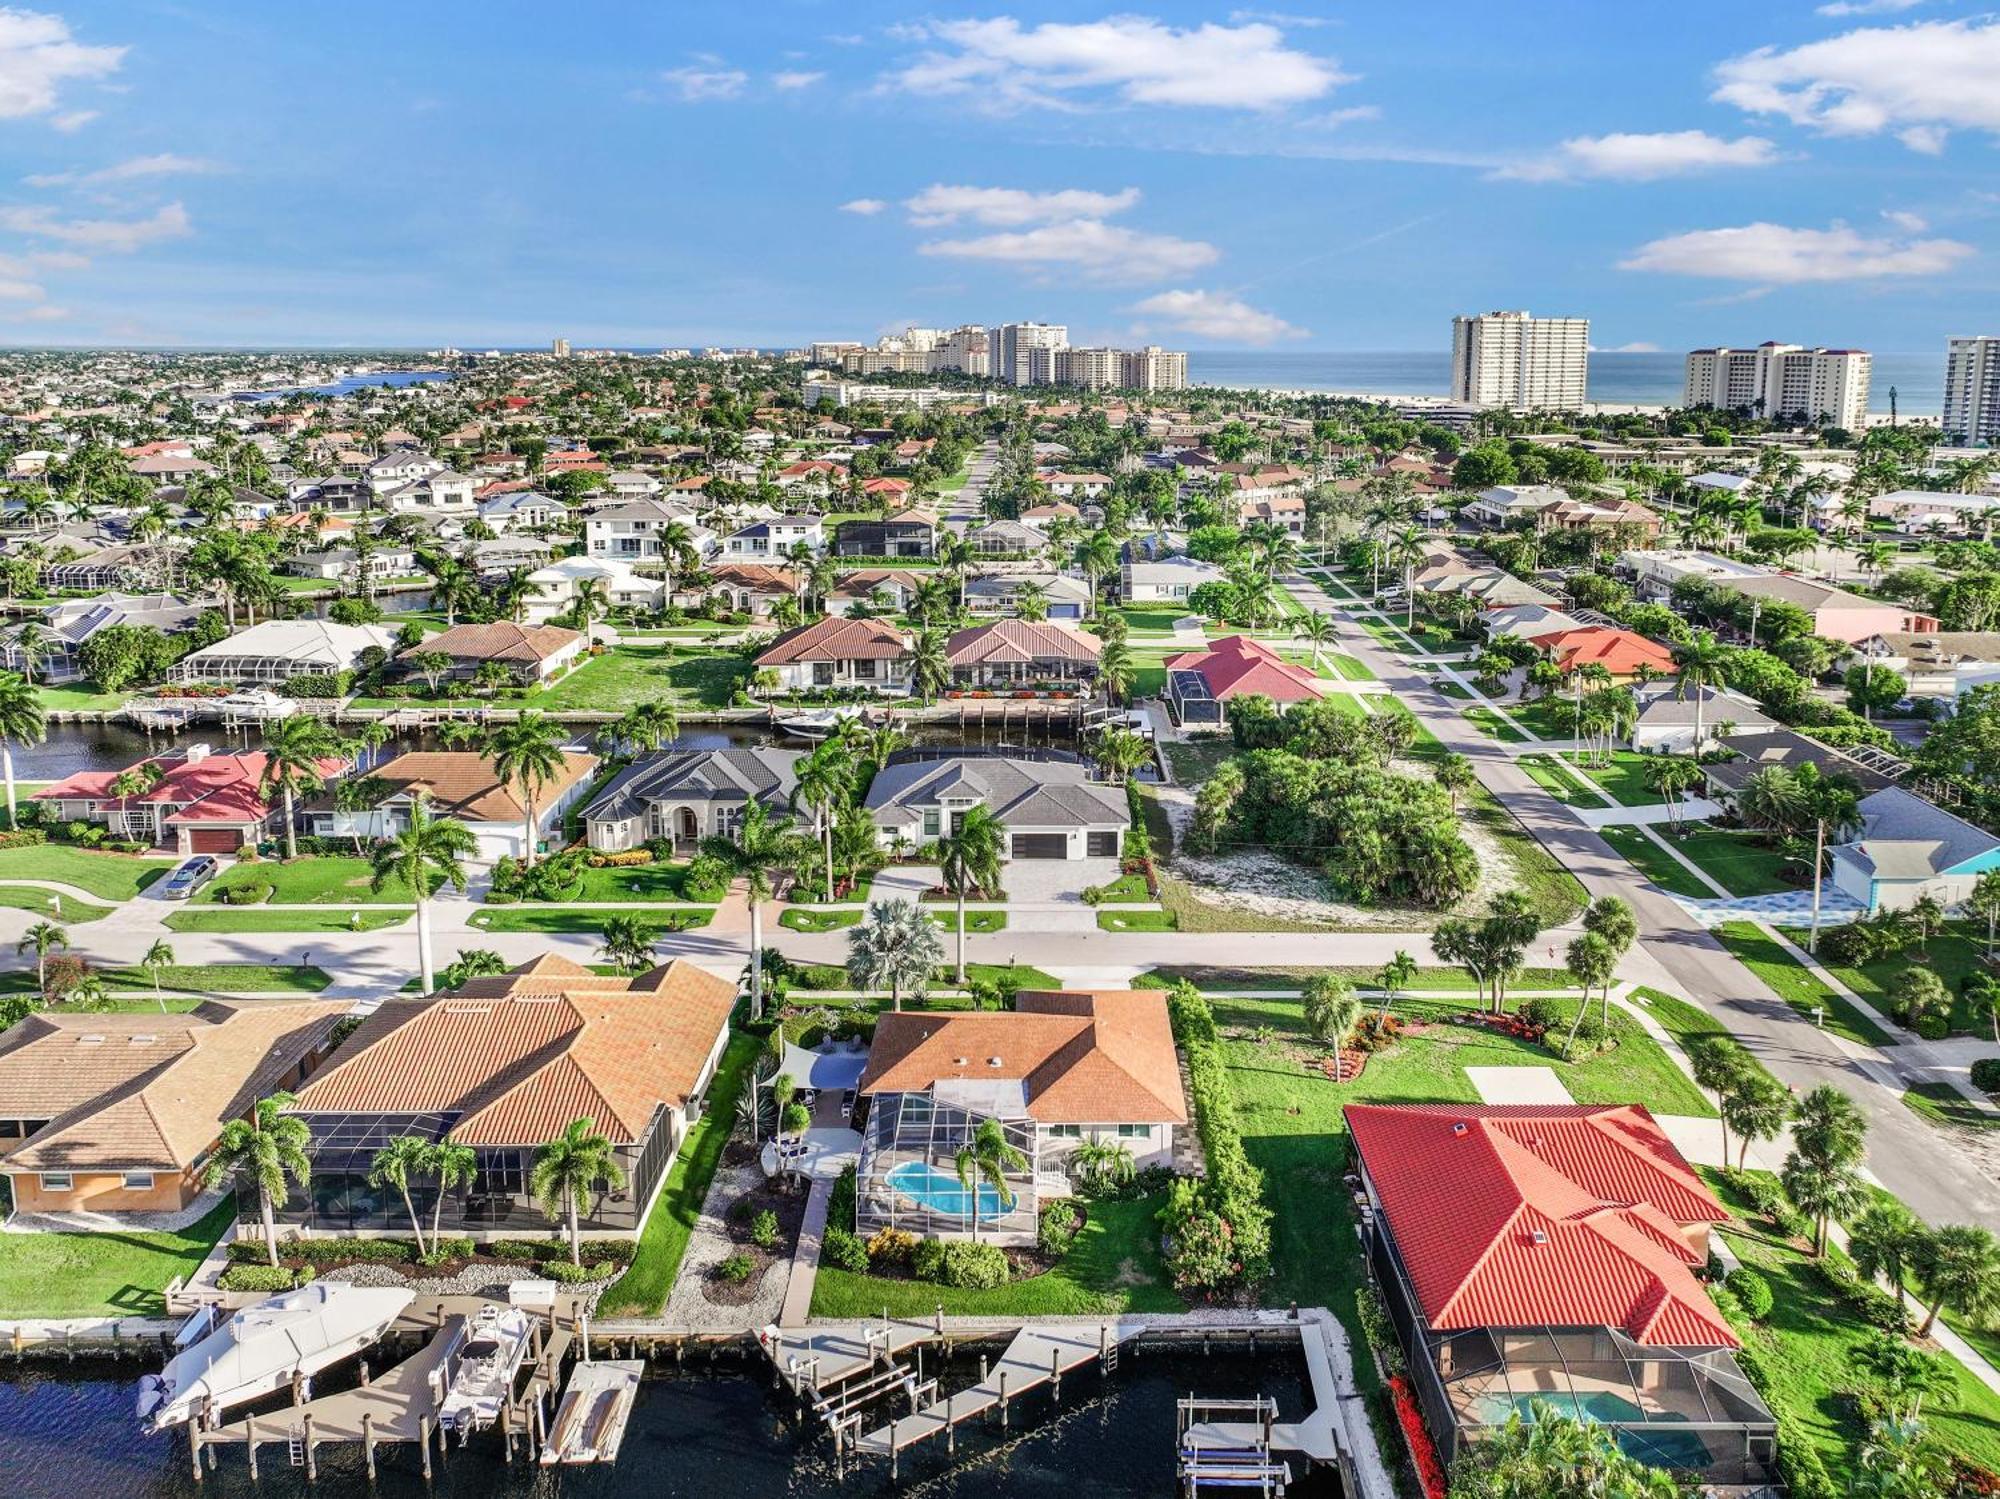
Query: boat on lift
point(256, 705)
point(482, 1377)
point(822, 723)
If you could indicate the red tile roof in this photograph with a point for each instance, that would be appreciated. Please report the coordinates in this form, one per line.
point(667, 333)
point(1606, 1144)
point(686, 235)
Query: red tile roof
point(836, 639)
point(1539, 1216)
point(217, 788)
point(1236, 666)
point(1621, 652)
point(1020, 642)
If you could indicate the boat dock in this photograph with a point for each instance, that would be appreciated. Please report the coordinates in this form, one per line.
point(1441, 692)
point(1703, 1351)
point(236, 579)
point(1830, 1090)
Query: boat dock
point(825, 1359)
point(589, 1425)
point(401, 1403)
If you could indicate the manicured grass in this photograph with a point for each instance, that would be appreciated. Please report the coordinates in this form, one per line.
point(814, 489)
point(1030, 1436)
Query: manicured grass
point(1349, 667)
point(1223, 980)
point(112, 877)
point(44, 902)
point(1624, 777)
point(643, 1288)
point(1943, 1104)
point(102, 1275)
point(1654, 862)
point(1490, 723)
point(227, 978)
point(1738, 861)
point(1154, 618)
point(635, 882)
point(815, 976)
point(536, 918)
point(80, 699)
point(794, 919)
point(1950, 954)
point(975, 921)
point(1799, 987)
point(1138, 921)
point(1559, 783)
point(629, 674)
point(256, 919)
point(1113, 1267)
point(1126, 888)
point(310, 881)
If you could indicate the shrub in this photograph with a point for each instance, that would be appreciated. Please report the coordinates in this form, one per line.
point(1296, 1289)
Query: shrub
point(627, 858)
point(1986, 1074)
point(564, 1273)
point(259, 1278)
point(764, 1230)
point(844, 1251)
point(707, 879)
point(253, 894)
point(927, 1259)
point(735, 1270)
point(1546, 1011)
point(891, 1247)
point(22, 837)
point(1057, 1228)
point(452, 1249)
point(973, 1267)
point(513, 1249)
point(1932, 1026)
point(1220, 1229)
point(1752, 1291)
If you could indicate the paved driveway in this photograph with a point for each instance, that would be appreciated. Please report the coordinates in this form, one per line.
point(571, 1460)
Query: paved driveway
point(1054, 881)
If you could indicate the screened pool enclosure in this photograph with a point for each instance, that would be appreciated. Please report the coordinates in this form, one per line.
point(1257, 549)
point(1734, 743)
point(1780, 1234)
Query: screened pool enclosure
point(908, 1177)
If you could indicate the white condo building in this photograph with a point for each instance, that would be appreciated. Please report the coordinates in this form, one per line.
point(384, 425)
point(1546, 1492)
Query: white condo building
point(1515, 360)
point(1972, 390)
point(1011, 348)
point(1784, 380)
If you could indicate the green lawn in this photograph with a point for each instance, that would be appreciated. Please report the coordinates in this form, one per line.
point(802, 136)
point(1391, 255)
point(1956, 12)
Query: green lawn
point(1153, 618)
point(102, 1275)
point(1943, 1104)
point(1349, 667)
point(628, 674)
point(1738, 861)
point(635, 882)
point(227, 978)
point(1222, 980)
point(70, 911)
point(1654, 862)
point(537, 918)
point(1624, 777)
point(316, 881)
point(1126, 888)
point(112, 877)
point(642, 1289)
point(255, 919)
point(80, 699)
point(1138, 921)
point(1799, 987)
point(796, 920)
point(1112, 1268)
point(1559, 783)
point(1951, 955)
point(975, 921)
point(1490, 723)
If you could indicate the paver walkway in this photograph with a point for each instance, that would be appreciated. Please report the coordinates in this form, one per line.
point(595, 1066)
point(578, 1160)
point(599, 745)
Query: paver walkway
point(1518, 1085)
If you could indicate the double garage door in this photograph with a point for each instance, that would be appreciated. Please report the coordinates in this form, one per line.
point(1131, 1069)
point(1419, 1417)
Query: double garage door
point(1056, 845)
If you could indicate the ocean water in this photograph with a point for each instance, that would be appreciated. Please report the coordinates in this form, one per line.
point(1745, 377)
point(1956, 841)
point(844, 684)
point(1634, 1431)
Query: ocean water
point(393, 379)
point(1616, 379)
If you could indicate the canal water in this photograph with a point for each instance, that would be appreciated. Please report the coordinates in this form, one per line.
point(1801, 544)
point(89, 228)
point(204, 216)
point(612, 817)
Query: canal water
point(67, 1432)
point(389, 379)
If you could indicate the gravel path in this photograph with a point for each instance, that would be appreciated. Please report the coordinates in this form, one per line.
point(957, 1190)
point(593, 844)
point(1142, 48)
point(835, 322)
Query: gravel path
point(689, 1306)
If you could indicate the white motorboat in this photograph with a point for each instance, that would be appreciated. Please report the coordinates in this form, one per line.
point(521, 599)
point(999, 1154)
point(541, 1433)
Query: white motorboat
point(258, 1349)
point(258, 704)
point(823, 723)
point(482, 1376)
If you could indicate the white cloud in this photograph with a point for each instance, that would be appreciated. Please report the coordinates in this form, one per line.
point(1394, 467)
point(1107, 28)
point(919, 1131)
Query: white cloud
point(1920, 81)
point(110, 236)
point(1087, 247)
point(1216, 315)
point(1642, 158)
point(866, 207)
point(1013, 207)
point(1347, 116)
point(1779, 255)
point(789, 81)
point(1280, 18)
point(38, 55)
point(1637, 346)
point(1908, 222)
point(73, 120)
point(1133, 59)
point(165, 164)
point(1867, 7)
point(696, 85)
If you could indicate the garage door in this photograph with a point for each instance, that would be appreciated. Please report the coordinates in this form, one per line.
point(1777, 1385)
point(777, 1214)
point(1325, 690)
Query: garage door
point(1041, 846)
point(1101, 845)
point(215, 840)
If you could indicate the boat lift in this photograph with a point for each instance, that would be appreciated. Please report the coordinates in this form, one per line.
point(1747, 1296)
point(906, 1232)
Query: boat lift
point(1226, 1444)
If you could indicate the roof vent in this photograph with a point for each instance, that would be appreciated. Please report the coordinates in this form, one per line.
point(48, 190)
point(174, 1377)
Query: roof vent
point(992, 1061)
point(146, 1039)
point(1459, 1128)
point(1538, 1237)
point(958, 1061)
point(92, 1039)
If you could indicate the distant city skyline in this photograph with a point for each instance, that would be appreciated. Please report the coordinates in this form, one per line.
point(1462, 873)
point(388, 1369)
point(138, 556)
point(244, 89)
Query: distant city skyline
point(1192, 176)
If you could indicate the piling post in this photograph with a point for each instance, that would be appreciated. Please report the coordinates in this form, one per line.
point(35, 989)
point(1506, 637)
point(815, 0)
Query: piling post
point(368, 1442)
point(364, 1374)
point(938, 1323)
point(1003, 1399)
point(298, 1386)
point(1055, 1371)
point(194, 1445)
point(507, 1429)
point(424, 1443)
point(1103, 1342)
point(312, 1462)
point(250, 1444)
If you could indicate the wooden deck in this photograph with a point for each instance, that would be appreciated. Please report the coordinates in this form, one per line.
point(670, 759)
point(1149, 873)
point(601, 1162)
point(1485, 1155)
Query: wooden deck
point(1034, 1358)
point(833, 1355)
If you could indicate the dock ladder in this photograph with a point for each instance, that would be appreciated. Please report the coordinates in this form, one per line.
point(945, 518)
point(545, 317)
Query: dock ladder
point(295, 1442)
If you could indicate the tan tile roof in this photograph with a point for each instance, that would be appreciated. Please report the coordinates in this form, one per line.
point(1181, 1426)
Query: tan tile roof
point(835, 639)
point(148, 1091)
point(1090, 1056)
point(502, 640)
point(752, 575)
point(464, 785)
point(517, 1057)
point(1020, 640)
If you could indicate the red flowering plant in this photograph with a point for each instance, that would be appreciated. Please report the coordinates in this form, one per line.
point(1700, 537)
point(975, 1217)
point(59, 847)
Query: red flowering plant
point(1423, 1451)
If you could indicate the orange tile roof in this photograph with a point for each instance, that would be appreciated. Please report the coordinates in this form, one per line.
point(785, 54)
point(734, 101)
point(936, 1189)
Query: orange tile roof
point(1084, 1056)
point(837, 639)
point(517, 1057)
point(1621, 652)
point(1020, 641)
point(1236, 665)
point(501, 640)
point(462, 784)
point(1540, 1216)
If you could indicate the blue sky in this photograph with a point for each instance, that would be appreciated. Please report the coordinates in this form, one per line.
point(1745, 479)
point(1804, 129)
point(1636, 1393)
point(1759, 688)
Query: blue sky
point(1336, 176)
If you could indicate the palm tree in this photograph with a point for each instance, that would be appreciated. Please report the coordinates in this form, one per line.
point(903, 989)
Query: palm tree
point(984, 1161)
point(1397, 975)
point(567, 1174)
point(1958, 1267)
point(295, 752)
point(969, 856)
point(1820, 1174)
point(44, 937)
point(449, 1164)
point(1104, 1162)
point(31, 644)
point(1119, 752)
point(1096, 555)
point(428, 847)
point(404, 1157)
point(21, 722)
point(1406, 550)
point(1669, 777)
point(159, 955)
point(825, 783)
point(1116, 670)
point(760, 846)
point(588, 602)
point(628, 940)
point(895, 947)
point(1454, 774)
point(269, 1146)
point(1700, 662)
point(954, 559)
point(1331, 1009)
point(1317, 629)
point(1886, 1242)
point(528, 753)
point(930, 672)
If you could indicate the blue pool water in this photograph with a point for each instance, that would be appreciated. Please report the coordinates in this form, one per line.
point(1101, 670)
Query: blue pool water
point(941, 1192)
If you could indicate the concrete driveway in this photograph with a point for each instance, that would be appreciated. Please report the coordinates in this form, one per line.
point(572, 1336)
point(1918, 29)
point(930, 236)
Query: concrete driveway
point(1054, 881)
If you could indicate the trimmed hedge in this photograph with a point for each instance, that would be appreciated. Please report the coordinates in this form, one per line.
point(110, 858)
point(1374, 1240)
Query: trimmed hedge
point(1219, 1227)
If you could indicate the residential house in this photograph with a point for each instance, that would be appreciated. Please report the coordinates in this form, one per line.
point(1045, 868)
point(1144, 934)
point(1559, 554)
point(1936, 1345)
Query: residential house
point(139, 566)
point(1665, 723)
point(504, 1065)
point(1165, 579)
point(1005, 538)
point(884, 589)
point(1760, 745)
point(1626, 654)
point(1062, 1069)
point(1656, 572)
point(909, 533)
point(1038, 518)
point(837, 652)
point(119, 1114)
point(503, 554)
point(530, 653)
point(199, 800)
point(630, 531)
point(1016, 652)
point(557, 585)
point(1201, 684)
point(1595, 513)
point(768, 540)
point(464, 788)
point(684, 796)
point(443, 492)
point(1936, 663)
point(1077, 486)
point(278, 650)
point(631, 484)
point(751, 588)
point(384, 561)
point(817, 478)
point(1541, 1252)
point(1909, 848)
point(1836, 614)
point(1922, 510)
point(1511, 504)
point(64, 628)
point(1526, 621)
point(522, 510)
point(1063, 597)
point(1049, 809)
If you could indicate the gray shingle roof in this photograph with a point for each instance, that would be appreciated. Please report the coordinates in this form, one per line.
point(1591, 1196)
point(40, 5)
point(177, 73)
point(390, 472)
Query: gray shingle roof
point(726, 776)
point(1904, 837)
point(1021, 793)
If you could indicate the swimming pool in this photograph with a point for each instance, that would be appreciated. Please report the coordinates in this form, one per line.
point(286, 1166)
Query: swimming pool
point(942, 1192)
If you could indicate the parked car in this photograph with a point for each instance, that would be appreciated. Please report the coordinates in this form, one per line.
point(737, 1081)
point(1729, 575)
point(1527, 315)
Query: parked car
point(190, 877)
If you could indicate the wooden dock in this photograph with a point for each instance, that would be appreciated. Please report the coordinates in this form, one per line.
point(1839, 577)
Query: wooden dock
point(831, 1356)
point(589, 1425)
point(1319, 1436)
